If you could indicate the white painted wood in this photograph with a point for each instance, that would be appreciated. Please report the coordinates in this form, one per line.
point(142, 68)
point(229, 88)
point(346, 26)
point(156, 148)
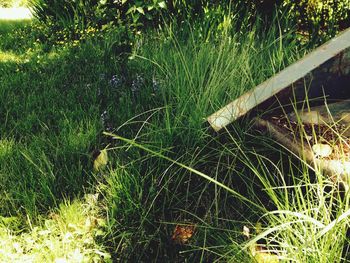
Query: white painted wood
point(283, 79)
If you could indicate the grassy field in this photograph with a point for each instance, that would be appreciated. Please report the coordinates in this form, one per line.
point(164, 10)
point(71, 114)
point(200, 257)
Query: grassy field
point(164, 169)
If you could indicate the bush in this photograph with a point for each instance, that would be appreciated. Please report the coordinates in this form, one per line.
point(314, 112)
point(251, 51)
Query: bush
point(320, 19)
point(78, 15)
point(64, 13)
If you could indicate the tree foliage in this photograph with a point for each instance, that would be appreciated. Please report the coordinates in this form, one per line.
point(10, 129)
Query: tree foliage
point(320, 19)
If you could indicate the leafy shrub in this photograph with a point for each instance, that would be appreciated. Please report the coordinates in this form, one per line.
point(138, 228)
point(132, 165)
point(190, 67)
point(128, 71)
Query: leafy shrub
point(64, 13)
point(75, 16)
point(320, 19)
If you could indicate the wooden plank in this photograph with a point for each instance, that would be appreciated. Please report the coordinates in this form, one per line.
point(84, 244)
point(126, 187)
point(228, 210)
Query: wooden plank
point(324, 71)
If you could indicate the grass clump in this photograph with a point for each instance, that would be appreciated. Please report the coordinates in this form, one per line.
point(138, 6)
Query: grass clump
point(193, 78)
point(154, 91)
point(195, 81)
point(308, 221)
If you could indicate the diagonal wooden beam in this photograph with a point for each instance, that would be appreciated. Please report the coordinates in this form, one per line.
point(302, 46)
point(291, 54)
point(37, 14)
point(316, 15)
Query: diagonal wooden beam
point(320, 68)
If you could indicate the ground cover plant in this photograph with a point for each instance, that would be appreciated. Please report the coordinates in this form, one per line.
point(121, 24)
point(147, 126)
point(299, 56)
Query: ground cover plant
point(104, 156)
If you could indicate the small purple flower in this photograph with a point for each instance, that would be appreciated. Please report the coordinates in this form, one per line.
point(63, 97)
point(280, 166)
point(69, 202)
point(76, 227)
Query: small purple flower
point(155, 85)
point(136, 84)
point(105, 119)
point(104, 115)
point(116, 81)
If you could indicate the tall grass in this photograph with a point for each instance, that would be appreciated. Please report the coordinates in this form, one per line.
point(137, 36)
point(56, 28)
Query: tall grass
point(196, 75)
point(224, 183)
point(61, 99)
point(309, 221)
point(50, 124)
point(50, 121)
point(298, 210)
point(293, 211)
point(200, 74)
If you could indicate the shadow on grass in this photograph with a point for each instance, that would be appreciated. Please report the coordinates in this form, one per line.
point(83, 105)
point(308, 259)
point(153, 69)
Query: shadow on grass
point(50, 123)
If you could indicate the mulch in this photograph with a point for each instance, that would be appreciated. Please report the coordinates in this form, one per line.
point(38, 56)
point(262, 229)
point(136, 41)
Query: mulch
point(307, 133)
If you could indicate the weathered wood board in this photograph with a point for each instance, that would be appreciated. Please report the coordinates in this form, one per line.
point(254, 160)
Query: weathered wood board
point(325, 72)
point(306, 107)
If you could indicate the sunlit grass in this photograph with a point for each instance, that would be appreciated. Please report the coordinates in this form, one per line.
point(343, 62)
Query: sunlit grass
point(67, 235)
point(53, 116)
point(19, 13)
point(9, 57)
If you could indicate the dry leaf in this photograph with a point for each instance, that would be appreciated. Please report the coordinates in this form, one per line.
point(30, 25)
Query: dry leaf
point(322, 150)
point(264, 257)
point(101, 160)
point(182, 233)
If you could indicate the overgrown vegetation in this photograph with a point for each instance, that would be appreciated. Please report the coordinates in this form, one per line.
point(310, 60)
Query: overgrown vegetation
point(320, 19)
point(315, 20)
point(79, 71)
